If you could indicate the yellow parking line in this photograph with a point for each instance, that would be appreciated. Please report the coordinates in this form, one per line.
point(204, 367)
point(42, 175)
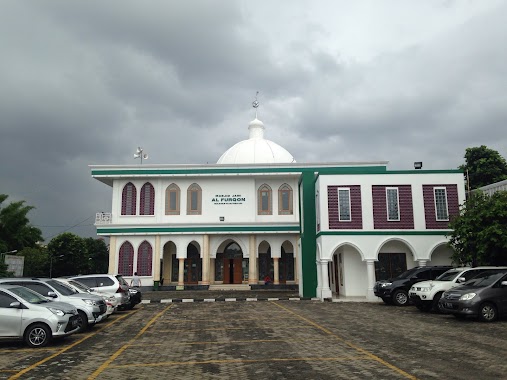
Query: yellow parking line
point(243, 361)
point(104, 365)
point(357, 348)
point(27, 369)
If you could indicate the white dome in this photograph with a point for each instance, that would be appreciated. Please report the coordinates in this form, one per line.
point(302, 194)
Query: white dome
point(256, 150)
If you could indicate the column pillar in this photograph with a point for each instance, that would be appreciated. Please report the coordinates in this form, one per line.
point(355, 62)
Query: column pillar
point(370, 272)
point(422, 263)
point(276, 268)
point(181, 271)
point(326, 290)
point(156, 260)
point(205, 260)
point(113, 265)
point(252, 261)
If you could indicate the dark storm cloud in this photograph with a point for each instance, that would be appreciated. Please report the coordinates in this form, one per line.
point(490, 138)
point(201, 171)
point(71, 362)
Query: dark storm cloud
point(87, 82)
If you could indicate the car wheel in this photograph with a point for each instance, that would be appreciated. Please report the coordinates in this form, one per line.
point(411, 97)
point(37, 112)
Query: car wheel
point(400, 297)
point(436, 305)
point(487, 312)
point(37, 335)
point(386, 300)
point(82, 321)
point(423, 306)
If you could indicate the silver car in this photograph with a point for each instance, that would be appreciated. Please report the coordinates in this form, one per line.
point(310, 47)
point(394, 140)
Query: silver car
point(91, 308)
point(26, 315)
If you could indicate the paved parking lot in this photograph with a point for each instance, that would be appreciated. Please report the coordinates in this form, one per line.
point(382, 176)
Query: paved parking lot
point(269, 340)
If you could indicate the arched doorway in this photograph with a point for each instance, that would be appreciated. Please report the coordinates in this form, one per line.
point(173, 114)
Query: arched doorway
point(231, 264)
point(193, 265)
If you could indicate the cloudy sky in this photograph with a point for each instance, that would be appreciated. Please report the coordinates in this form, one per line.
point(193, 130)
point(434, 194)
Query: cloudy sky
point(86, 82)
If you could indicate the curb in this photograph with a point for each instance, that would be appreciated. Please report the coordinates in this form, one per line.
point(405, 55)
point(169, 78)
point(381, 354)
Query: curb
point(238, 299)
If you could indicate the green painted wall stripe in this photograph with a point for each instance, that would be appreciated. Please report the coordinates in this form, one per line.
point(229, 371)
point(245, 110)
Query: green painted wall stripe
point(390, 232)
point(308, 236)
point(321, 170)
point(122, 230)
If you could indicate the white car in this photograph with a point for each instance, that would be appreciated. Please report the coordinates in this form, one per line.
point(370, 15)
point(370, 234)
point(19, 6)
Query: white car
point(27, 315)
point(111, 301)
point(426, 294)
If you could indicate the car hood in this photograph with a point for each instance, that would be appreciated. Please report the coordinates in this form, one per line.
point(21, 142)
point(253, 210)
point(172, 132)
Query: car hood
point(66, 307)
point(462, 289)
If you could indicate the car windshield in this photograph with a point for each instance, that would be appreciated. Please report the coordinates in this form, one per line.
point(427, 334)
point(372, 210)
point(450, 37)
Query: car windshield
point(449, 275)
point(80, 286)
point(62, 288)
point(29, 295)
point(121, 280)
point(484, 279)
point(406, 274)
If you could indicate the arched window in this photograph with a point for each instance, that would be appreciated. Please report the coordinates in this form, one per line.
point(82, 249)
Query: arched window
point(128, 199)
point(144, 259)
point(147, 200)
point(285, 200)
point(264, 200)
point(194, 200)
point(126, 259)
point(172, 200)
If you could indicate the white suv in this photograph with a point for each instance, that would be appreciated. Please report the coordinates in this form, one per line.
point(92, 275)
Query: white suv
point(425, 295)
point(107, 283)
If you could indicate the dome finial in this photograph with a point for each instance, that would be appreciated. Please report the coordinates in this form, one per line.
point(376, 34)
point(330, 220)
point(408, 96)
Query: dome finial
point(255, 104)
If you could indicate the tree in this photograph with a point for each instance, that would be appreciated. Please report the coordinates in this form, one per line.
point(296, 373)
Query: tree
point(484, 166)
point(67, 255)
point(36, 262)
point(98, 255)
point(479, 233)
point(15, 229)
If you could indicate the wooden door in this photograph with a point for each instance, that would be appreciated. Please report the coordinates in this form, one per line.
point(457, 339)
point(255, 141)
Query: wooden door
point(238, 271)
point(227, 271)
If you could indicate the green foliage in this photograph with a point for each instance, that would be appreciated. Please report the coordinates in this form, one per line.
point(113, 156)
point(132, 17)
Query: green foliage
point(68, 255)
point(479, 234)
point(484, 166)
point(98, 254)
point(36, 262)
point(15, 229)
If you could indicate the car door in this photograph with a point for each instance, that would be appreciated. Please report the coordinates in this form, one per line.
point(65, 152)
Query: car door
point(10, 325)
point(502, 302)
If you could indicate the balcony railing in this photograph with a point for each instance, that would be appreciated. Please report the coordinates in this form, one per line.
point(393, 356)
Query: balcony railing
point(103, 218)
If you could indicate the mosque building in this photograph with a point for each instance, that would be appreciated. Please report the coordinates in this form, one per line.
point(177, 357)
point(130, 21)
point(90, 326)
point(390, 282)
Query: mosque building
point(328, 229)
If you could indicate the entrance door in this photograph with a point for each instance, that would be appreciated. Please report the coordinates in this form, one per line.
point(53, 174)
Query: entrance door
point(232, 264)
point(336, 280)
point(193, 267)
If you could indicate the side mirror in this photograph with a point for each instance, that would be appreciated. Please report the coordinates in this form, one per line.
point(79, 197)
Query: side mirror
point(15, 305)
point(461, 279)
point(52, 295)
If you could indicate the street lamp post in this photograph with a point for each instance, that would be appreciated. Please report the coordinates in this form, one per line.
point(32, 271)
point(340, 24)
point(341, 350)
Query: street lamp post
point(51, 264)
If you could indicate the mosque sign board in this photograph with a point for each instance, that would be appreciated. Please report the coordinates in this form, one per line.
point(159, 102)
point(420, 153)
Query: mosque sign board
point(228, 199)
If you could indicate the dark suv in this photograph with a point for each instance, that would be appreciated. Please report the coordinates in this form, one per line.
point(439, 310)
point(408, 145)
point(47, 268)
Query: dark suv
point(395, 290)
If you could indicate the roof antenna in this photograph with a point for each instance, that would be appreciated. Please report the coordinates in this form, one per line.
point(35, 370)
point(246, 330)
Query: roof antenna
point(255, 104)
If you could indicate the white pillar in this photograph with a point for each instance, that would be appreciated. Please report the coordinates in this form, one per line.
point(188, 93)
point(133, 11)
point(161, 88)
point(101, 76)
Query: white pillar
point(370, 270)
point(205, 260)
point(252, 261)
point(113, 258)
point(422, 262)
point(276, 269)
point(324, 277)
point(156, 260)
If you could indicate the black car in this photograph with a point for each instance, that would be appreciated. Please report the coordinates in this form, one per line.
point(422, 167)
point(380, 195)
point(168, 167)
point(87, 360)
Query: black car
point(135, 297)
point(484, 296)
point(395, 290)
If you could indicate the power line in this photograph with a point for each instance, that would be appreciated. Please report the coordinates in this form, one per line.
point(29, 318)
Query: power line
point(71, 227)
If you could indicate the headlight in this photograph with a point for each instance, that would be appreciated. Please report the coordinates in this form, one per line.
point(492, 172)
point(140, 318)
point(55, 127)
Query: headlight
point(90, 302)
point(386, 284)
point(425, 289)
point(58, 312)
point(467, 296)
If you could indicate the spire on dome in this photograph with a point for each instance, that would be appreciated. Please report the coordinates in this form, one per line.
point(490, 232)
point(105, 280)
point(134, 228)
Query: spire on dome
point(255, 104)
